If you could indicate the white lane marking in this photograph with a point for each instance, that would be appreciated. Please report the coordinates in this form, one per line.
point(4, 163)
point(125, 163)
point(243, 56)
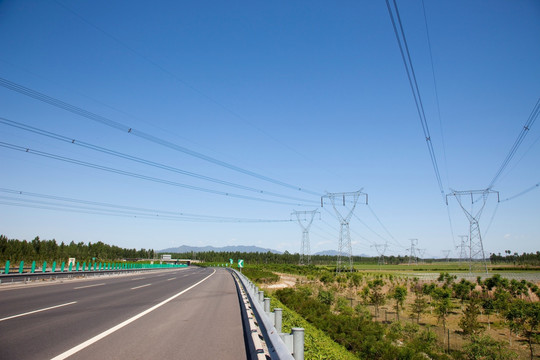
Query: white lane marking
point(138, 287)
point(36, 311)
point(141, 278)
point(171, 279)
point(87, 286)
point(98, 337)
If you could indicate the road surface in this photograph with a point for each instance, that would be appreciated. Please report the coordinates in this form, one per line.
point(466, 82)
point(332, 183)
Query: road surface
point(189, 313)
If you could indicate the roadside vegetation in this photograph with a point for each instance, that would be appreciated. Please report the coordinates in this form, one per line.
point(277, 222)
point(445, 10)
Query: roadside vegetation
point(392, 315)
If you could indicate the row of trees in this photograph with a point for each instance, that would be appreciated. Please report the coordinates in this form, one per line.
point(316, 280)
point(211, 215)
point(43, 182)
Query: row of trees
point(258, 258)
point(515, 258)
point(49, 250)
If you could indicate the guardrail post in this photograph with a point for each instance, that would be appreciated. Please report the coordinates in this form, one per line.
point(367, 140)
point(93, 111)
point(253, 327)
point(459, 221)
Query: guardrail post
point(6, 271)
point(278, 316)
point(33, 266)
point(21, 267)
point(298, 343)
point(44, 266)
point(267, 305)
point(261, 296)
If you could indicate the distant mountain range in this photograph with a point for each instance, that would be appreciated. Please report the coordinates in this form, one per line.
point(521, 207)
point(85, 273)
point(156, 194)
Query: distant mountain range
point(239, 248)
point(335, 253)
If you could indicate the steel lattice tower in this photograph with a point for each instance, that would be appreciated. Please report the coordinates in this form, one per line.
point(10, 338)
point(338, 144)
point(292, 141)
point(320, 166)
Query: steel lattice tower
point(344, 219)
point(446, 254)
point(381, 249)
point(463, 252)
point(476, 247)
point(305, 224)
point(413, 257)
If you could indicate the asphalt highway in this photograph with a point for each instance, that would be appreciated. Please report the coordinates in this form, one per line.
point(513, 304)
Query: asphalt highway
point(190, 313)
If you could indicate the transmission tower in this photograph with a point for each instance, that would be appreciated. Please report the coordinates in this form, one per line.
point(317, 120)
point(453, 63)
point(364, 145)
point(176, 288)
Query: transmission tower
point(305, 223)
point(476, 247)
point(412, 257)
point(421, 253)
point(381, 249)
point(344, 217)
point(464, 248)
point(446, 254)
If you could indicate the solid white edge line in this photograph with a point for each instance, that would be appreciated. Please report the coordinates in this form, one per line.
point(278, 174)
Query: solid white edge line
point(87, 286)
point(98, 337)
point(141, 286)
point(36, 311)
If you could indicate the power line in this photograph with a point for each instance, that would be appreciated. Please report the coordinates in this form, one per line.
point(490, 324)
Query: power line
point(140, 160)
point(407, 62)
point(535, 186)
point(138, 176)
point(180, 80)
point(384, 227)
point(115, 210)
point(143, 135)
point(436, 91)
point(521, 136)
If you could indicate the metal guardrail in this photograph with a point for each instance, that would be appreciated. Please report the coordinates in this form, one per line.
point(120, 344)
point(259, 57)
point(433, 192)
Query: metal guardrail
point(280, 346)
point(25, 277)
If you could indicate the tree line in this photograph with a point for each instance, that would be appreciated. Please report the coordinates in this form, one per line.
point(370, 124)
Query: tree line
point(49, 250)
point(515, 258)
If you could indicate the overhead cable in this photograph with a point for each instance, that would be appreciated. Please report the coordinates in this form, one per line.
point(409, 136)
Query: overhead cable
point(140, 160)
point(384, 227)
point(71, 209)
point(535, 186)
point(521, 136)
point(407, 62)
point(139, 176)
point(180, 80)
point(141, 134)
point(128, 208)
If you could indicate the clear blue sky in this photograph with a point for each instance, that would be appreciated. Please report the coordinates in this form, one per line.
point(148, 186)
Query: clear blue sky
point(311, 93)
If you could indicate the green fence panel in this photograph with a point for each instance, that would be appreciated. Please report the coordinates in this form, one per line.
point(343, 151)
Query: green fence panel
point(44, 266)
point(54, 266)
point(63, 266)
point(21, 267)
point(84, 266)
point(95, 266)
point(70, 267)
point(78, 266)
point(33, 266)
point(6, 271)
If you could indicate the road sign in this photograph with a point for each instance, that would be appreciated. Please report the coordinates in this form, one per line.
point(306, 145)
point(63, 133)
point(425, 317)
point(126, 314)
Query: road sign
point(240, 263)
